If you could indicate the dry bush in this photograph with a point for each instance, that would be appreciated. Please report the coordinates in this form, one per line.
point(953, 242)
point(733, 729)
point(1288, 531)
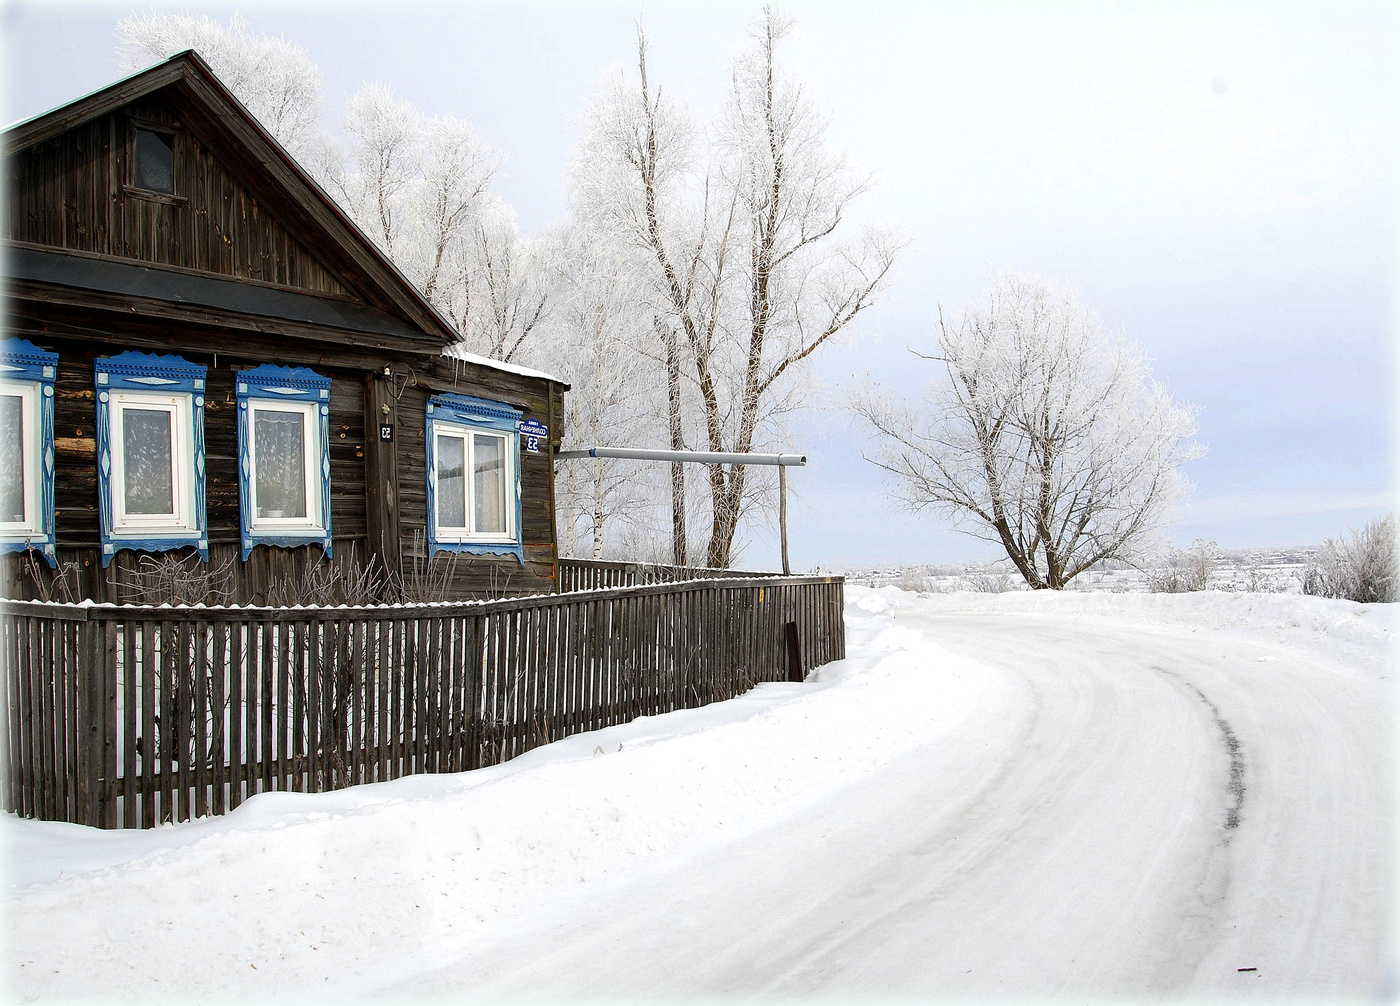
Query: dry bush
point(170, 578)
point(913, 580)
point(426, 581)
point(1360, 567)
point(1181, 571)
point(984, 581)
point(330, 583)
point(62, 583)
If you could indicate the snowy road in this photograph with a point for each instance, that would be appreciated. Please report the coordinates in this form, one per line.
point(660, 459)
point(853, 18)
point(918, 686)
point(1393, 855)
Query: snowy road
point(1024, 797)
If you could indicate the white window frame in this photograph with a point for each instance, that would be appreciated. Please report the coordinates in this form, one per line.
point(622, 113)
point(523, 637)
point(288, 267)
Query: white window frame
point(310, 469)
point(510, 448)
point(184, 521)
point(30, 394)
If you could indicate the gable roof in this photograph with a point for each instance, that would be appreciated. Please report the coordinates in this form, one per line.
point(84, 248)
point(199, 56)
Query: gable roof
point(256, 156)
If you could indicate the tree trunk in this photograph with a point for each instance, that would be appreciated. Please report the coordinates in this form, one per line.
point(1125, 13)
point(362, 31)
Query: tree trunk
point(673, 415)
point(597, 508)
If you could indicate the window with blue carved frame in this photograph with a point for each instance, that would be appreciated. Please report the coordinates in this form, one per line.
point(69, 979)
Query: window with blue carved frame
point(26, 448)
point(150, 454)
point(473, 466)
point(284, 464)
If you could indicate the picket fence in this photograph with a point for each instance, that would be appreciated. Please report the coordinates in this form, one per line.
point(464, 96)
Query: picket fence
point(123, 716)
point(590, 574)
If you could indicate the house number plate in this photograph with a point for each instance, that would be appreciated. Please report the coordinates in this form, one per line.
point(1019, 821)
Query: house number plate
point(533, 432)
point(386, 432)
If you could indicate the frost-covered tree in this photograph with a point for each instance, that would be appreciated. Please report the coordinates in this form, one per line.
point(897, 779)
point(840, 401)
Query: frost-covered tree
point(1046, 436)
point(738, 235)
point(595, 329)
point(274, 78)
point(505, 287)
point(418, 186)
point(1361, 567)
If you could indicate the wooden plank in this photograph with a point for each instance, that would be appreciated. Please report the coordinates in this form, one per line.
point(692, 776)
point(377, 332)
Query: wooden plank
point(363, 702)
point(315, 713)
point(218, 702)
point(41, 698)
point(15, 649)
point(131, 727)
point(202, 715)
point(357, 733)
point(554, 651)
point(66, 664)
point(107, 636)
point(491, 698)
point(333, 700)
point(282, 714)
point(8, 663)
point(397, 723)
point(165, 703)
point(237, 711)
point(264, 767)
point(252, 705)
point(384, 630)
point(182, 701)
point(433, 693)
point(296, 666)
point(148, 752)
point(420, 689)
point(452, 705)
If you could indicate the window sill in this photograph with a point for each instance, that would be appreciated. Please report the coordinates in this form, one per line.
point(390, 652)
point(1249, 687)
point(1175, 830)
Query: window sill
point(479, 548)
point(253, 539)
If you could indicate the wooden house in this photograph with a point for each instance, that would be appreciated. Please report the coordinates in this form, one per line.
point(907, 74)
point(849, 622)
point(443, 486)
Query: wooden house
point(205, 357)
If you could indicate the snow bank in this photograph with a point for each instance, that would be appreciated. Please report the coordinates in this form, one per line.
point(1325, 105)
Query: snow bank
point(295, 891)
point(1358, 635)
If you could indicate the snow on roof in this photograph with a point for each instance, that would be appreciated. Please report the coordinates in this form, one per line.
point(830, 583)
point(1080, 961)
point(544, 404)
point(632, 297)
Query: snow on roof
point(457, 351)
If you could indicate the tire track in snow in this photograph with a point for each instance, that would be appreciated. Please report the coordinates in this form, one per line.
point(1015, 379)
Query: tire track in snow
point(1231, 743)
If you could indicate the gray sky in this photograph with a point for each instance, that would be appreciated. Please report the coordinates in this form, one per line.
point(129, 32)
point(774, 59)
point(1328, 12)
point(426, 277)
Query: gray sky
point(1218, 183)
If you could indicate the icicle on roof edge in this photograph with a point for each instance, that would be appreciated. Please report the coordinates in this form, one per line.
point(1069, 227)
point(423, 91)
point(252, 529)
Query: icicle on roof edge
point(457, 351)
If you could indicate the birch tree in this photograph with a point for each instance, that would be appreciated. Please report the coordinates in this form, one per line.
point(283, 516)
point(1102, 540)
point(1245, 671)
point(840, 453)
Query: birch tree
point(594, 333)
point(738, 235)
point(273, 78)
point(418, 186)
point(800, 286)
point(1045, 435)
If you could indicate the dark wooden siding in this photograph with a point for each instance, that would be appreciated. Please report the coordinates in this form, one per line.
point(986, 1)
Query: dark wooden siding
point(72, 192)
point(268, 567)
point(75, 477)
point(479, 576)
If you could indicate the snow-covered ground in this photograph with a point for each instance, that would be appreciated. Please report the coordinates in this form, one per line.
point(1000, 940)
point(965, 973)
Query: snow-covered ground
point(1260, 570)
point(1008, 795)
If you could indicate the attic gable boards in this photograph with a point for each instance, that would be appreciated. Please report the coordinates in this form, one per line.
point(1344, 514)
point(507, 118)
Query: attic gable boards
point(76, 192)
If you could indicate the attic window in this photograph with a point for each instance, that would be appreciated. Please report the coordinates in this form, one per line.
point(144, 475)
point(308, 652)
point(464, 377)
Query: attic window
point(155, 161)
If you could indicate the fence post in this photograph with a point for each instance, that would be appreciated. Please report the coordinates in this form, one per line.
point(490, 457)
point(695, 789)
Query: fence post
point(105, 635)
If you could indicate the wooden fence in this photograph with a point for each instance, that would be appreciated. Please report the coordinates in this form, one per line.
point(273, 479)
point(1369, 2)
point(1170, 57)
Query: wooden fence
point(590, 574)
point(124, 716)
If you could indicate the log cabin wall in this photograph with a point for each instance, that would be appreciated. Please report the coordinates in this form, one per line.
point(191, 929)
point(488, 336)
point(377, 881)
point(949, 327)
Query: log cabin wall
point(74, 192)
point(96, 267)
point(480, 576)
point(75, 482)
point(270, 571)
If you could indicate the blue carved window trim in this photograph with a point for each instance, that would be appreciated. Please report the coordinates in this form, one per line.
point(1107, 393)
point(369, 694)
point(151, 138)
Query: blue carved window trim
point(301, 386)
point(151, 374)
point(474, 414)
point(31, 371)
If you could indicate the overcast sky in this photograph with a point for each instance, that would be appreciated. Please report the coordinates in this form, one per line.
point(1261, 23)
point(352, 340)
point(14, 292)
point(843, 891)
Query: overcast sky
point(1218, 183)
